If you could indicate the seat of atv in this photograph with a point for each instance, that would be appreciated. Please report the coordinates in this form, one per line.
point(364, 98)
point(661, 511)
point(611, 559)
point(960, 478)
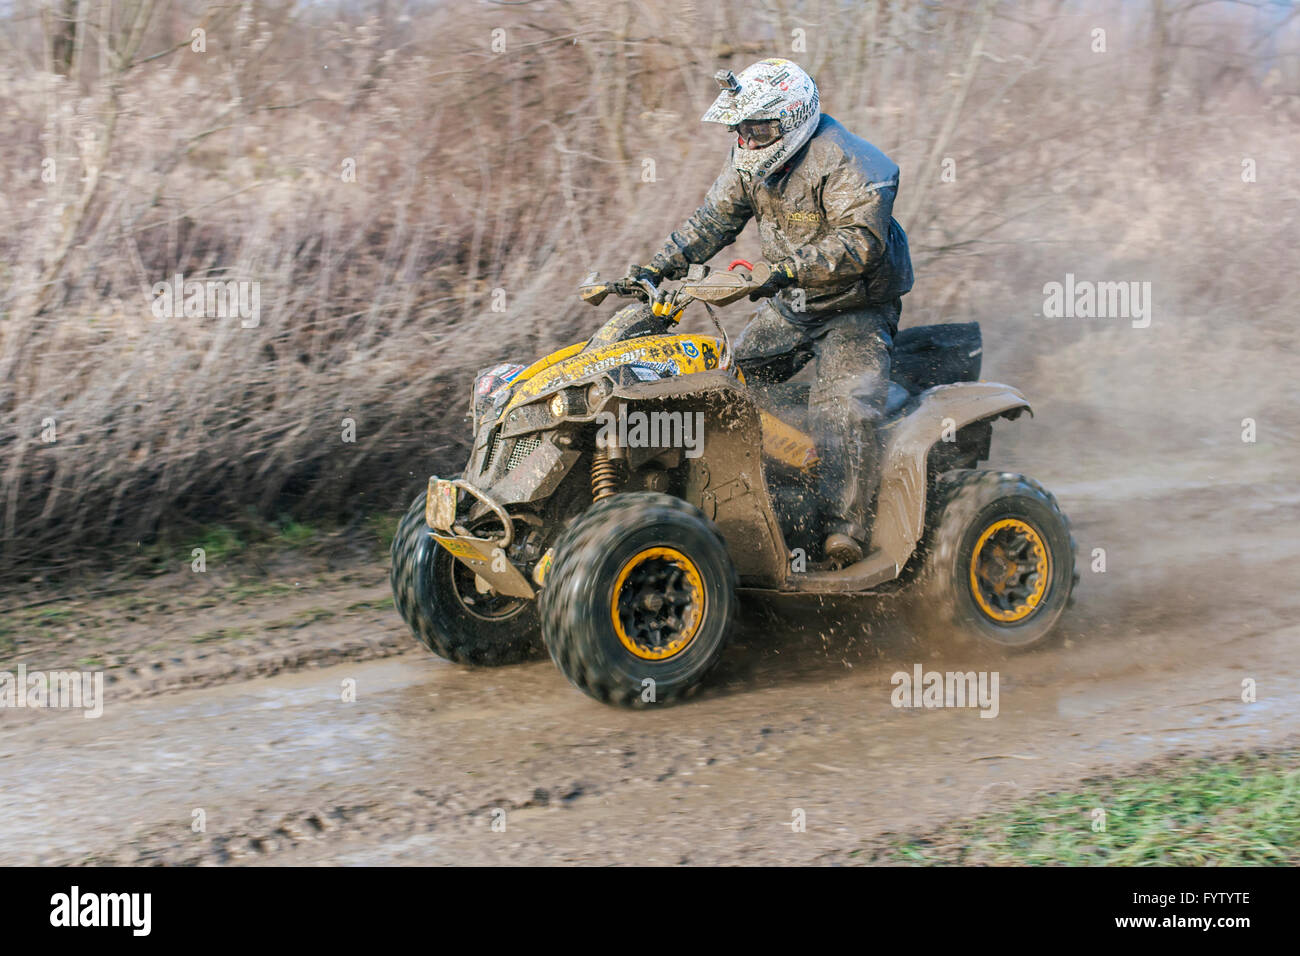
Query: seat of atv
point(924, 356)
point(789, 402)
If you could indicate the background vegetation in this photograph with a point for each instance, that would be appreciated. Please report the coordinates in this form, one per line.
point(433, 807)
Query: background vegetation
point(575, 144)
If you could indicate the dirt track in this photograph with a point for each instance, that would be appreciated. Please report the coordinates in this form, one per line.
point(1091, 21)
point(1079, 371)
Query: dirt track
point(1199, 593)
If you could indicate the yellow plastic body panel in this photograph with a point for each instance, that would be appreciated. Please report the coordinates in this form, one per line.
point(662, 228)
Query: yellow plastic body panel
point(786, 444)
point(549, 360)
point(687, 353)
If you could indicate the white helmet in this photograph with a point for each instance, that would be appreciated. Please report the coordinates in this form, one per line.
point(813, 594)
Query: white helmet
point(774, 89)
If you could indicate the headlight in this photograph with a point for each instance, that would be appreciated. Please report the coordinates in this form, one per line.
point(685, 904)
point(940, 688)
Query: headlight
point(568, 402)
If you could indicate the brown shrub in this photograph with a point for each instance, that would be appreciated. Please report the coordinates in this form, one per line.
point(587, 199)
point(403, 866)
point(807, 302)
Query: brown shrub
point(520, 170)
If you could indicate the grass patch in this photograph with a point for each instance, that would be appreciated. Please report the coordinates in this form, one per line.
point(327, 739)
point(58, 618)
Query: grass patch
point(220, 634)
point(301, 619)
point(294, 534)
point(258, 589)
point(381, 604)
point(222, 543)
point(1239, 811)
point(219, 541)
point(382, 528)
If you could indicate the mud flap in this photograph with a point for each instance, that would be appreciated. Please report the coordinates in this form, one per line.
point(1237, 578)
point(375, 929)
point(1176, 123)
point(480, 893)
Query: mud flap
point(727, 481)
point(901, 501)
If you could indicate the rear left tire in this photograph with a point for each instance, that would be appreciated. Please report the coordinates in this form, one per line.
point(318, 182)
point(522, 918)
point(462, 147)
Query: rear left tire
point(998, 565)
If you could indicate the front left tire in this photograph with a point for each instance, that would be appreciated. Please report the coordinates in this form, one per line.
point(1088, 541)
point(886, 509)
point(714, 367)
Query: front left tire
point(638, 604)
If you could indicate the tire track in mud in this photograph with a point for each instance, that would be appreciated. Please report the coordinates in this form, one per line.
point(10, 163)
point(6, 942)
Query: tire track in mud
point(418, 767)
point(707, 782)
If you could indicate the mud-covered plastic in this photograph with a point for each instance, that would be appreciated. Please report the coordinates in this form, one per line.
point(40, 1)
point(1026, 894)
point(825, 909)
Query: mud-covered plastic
point(722, 288)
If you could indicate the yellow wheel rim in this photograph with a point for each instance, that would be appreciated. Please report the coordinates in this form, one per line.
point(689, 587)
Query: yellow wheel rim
point(657, 603)
point(1009, 570)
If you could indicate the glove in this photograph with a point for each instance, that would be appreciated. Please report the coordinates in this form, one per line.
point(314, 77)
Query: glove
point(655, 272)
point(782, 276)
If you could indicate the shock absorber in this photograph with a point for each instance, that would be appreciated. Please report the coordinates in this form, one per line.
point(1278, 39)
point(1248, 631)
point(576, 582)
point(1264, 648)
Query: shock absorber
point(604, 474)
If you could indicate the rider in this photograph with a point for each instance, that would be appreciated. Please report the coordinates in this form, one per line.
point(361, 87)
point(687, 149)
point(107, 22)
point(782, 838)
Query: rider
point(823, 199)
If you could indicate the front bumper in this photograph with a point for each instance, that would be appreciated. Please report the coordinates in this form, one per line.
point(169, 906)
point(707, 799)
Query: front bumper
point(486, 557)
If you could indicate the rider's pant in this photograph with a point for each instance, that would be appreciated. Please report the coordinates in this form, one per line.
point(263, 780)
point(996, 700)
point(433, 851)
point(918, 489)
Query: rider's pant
point(852, 352)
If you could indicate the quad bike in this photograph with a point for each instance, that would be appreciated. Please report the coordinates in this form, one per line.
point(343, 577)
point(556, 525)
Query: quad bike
point(622, 545)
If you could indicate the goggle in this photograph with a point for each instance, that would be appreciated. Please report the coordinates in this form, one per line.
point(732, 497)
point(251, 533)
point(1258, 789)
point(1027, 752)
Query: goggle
point(761, 133)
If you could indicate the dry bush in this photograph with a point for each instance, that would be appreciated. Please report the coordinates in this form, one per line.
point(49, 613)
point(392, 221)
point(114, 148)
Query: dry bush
point(482, 174)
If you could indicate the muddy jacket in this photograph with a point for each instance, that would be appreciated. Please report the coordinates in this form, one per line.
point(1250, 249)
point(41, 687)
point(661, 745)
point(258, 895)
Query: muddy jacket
point(828, 212)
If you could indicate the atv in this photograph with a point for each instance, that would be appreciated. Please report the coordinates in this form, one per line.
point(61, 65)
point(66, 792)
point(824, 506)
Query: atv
point(621, 490)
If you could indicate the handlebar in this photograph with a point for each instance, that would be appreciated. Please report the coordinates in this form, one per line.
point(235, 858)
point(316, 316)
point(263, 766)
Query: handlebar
point(711, 287)
point(665, 302)
point(634, 289)
point(722, 288)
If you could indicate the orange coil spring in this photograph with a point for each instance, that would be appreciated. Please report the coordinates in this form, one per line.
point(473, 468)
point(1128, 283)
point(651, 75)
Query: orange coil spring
point(604, 476)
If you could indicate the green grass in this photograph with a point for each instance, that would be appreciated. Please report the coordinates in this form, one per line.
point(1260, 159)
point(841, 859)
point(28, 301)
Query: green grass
point(219, 541)
point(295, 534)
point(220, 634)
point(301, 619)
point(258, 589)
point(223, 542)
point(382, 604)
point(1229, 812)
point(382, 528)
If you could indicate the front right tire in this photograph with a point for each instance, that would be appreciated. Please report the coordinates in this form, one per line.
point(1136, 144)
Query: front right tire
point(440, 600)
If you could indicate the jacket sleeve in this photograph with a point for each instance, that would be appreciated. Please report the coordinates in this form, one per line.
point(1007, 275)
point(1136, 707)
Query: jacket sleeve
point(858, 213)
point(716, 224)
